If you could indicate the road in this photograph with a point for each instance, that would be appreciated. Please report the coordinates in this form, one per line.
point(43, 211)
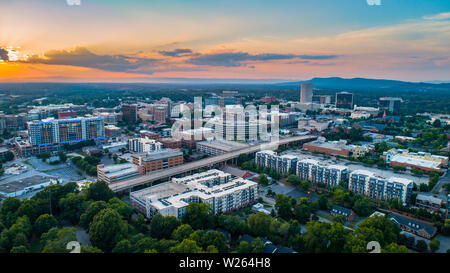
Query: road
point(445, 179)
point(207, 162)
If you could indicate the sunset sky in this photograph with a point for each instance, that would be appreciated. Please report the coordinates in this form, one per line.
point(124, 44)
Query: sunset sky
point(165, 40)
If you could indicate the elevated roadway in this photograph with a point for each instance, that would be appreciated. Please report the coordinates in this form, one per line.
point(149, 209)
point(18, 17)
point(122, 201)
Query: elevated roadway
point(210, 162)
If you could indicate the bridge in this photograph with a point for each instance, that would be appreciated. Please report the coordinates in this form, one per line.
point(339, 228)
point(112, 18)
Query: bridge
point(210, 162)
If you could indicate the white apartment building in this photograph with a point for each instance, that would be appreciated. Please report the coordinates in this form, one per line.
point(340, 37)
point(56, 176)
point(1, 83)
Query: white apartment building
point(282, 164)
point(144, 145)
point(371, 185)
point(318, 172)
point(216, 188)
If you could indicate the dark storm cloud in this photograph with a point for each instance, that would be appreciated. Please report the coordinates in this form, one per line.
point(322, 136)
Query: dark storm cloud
point(84, 58)
point(176, 53)
point(4, 54)
point(236, 59)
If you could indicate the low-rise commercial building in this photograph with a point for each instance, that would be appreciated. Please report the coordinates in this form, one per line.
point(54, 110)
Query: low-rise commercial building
point(163, 159)
point(170, 143)
point(420, 160)
point(112, 132)
point(190, 137)
point(329, 148)
point(23, 186)
point(118, 172)
point(218, 147)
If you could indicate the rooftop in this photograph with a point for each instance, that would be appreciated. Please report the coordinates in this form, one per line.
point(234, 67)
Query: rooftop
point(224, 145)
point(25, 183)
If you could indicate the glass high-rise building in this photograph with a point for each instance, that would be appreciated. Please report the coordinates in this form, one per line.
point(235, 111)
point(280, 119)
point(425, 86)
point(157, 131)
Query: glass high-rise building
point(391, 104)
point(344, 100)
point(306, 93)
point(60, 131)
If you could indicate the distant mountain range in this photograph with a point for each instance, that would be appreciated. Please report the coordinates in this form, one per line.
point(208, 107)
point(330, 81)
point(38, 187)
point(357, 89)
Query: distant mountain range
point(371, 84)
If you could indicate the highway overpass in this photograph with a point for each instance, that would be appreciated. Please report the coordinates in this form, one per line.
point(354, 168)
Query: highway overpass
point(210, 162)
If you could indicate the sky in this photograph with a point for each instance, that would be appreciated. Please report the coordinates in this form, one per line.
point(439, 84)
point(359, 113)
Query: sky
point(168, 40)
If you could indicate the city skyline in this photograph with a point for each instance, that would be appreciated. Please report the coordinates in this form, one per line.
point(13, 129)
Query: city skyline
point(164, 41)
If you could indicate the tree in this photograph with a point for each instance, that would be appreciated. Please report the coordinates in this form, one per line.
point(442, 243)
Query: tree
point(302, 213)
point(304, 185)
point(33, 208)
point(9, 156)
point(378, 228)
point(186, 246)
point(124, 246)
point(90, 249)
point(182, 232)
point(323, 202)
point(340, 219)
point(216, 239)
point(394, 248)
point(232, 224)
point(446, 227)
point(211, 249)
point(434, 245)
point(122, 207)
point(44, 223)
point(162, 227)
point(8, 210)
point(199, 216)
point(99, 191)
point(72, 207)
point(421, 246)
point(141, 224)
point(107, 229)
point(62, 156)
point(437, 123)
point(362, 207)
point(244, 247)
point(259, 224)
point(8, 237)
point(93, 209)
point(19, 249)
point(257, 246)
point(293, 179)
point(56, 240)
point(263, 180)
point(323, 237)
point(283, 205)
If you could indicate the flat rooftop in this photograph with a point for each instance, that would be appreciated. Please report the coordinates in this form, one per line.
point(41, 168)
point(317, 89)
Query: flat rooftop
point(177, 192)
point(21, 184)
point(223, 145)
point(416, 161)
point(159, 155)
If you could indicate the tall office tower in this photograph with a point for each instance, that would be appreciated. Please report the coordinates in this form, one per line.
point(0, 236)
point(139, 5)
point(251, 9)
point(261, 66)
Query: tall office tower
point(160, 113)
point(54, 131)
point(390, 104)
point(129, 112)
point(306, 93)
point(344, 100)
point(325, 99)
